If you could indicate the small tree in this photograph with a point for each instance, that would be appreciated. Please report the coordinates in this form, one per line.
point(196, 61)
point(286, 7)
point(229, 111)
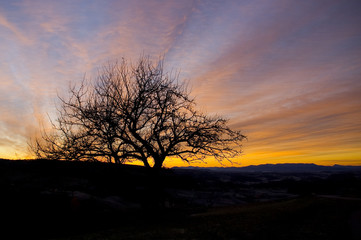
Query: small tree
point(135, 112)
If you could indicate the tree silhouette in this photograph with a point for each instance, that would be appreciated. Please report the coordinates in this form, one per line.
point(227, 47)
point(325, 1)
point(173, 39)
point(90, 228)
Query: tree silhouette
point(135, 112)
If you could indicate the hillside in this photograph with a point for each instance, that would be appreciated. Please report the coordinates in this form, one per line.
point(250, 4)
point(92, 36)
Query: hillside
point(282, 168)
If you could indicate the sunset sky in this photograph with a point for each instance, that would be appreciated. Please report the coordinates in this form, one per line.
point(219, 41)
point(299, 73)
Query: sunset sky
point(286, 73)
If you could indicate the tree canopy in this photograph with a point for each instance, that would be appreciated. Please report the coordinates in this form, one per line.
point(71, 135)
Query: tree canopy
point(135, 112)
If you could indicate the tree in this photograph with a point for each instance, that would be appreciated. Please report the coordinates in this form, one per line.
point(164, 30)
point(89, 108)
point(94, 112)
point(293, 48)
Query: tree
point(135, 112)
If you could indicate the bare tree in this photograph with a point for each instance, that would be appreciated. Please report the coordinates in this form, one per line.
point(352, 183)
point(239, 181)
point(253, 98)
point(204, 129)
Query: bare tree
point(136, 112)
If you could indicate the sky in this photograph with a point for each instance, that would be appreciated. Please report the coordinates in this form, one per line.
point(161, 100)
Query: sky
point(287, 73)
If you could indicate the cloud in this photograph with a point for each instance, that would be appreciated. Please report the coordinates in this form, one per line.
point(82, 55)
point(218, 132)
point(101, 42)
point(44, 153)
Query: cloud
point(5, 23)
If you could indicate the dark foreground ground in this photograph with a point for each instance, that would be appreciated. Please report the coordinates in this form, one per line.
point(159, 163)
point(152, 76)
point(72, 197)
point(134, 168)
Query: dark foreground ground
point(302, 218)
point(75, 200)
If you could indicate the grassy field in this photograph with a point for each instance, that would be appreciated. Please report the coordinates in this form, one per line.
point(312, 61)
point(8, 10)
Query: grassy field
point(78, 201)
point(302, 218)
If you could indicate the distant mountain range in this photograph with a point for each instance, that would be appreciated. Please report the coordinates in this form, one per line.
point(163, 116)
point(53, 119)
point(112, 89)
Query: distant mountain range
point(279, 168)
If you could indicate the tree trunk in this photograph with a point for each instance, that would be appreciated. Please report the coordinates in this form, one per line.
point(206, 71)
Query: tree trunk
point(116, 158)
point(146, 164)
point(158, 163)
